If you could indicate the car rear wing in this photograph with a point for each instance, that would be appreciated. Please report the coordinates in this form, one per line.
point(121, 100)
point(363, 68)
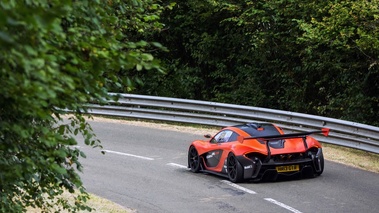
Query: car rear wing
point(324, 131)
point(267, 139)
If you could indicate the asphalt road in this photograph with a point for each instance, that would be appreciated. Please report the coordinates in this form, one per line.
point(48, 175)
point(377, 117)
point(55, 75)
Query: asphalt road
point(145, 169)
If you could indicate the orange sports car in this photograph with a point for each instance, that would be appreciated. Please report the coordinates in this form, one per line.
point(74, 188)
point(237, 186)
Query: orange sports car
point(257, 151)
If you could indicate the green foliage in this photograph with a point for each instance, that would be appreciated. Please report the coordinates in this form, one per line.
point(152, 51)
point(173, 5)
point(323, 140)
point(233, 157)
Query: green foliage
point(342, 44)
point(56, 56)
point(315, 57)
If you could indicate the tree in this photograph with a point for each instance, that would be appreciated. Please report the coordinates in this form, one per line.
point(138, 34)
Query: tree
point(315, 57)
point(57, 56)
point(341, 42)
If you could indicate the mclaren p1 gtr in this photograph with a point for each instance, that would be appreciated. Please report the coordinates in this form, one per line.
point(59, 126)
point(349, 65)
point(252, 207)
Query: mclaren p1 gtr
point(257, 151)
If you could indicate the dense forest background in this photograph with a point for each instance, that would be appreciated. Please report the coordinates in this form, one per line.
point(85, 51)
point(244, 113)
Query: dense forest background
point(311, 56)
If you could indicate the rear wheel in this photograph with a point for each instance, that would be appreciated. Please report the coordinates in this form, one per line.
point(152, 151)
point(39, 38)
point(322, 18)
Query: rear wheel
point(235, 170)
point(320, 164)
point(193, 159)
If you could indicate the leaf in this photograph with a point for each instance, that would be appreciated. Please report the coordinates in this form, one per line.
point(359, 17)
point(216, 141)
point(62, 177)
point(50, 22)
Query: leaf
point(157, 44)
point(5, 37)
point(58, 169)
point(147, 57)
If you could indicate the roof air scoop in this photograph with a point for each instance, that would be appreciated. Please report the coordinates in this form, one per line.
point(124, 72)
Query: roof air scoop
point(256, 126)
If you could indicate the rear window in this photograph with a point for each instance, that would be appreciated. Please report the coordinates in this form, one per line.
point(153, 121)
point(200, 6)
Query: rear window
point(252, 129)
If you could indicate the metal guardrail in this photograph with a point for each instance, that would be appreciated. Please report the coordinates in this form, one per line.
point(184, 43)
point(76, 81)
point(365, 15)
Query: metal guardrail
point(343, 133)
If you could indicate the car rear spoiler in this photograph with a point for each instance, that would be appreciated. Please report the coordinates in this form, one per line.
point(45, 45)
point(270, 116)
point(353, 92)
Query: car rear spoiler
point(324, 131)
point(267, 139)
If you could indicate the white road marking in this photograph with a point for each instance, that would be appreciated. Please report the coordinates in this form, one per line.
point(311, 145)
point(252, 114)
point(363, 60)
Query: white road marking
point(245, 190)
point(283, 205)
point(238, 187)
point(177, 165)
point(130, 155)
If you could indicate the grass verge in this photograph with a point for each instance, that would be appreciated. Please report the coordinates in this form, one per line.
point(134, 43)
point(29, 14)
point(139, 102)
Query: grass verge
point(352, 157)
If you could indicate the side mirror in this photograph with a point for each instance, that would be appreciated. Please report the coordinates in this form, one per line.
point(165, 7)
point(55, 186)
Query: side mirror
point(207, 136)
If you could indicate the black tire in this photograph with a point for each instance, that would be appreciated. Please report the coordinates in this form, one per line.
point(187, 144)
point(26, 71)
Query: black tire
point(235, 170)
point(193, 160)
point(321, 160)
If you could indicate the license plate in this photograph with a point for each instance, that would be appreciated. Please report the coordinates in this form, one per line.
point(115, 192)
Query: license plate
point(289, 168)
